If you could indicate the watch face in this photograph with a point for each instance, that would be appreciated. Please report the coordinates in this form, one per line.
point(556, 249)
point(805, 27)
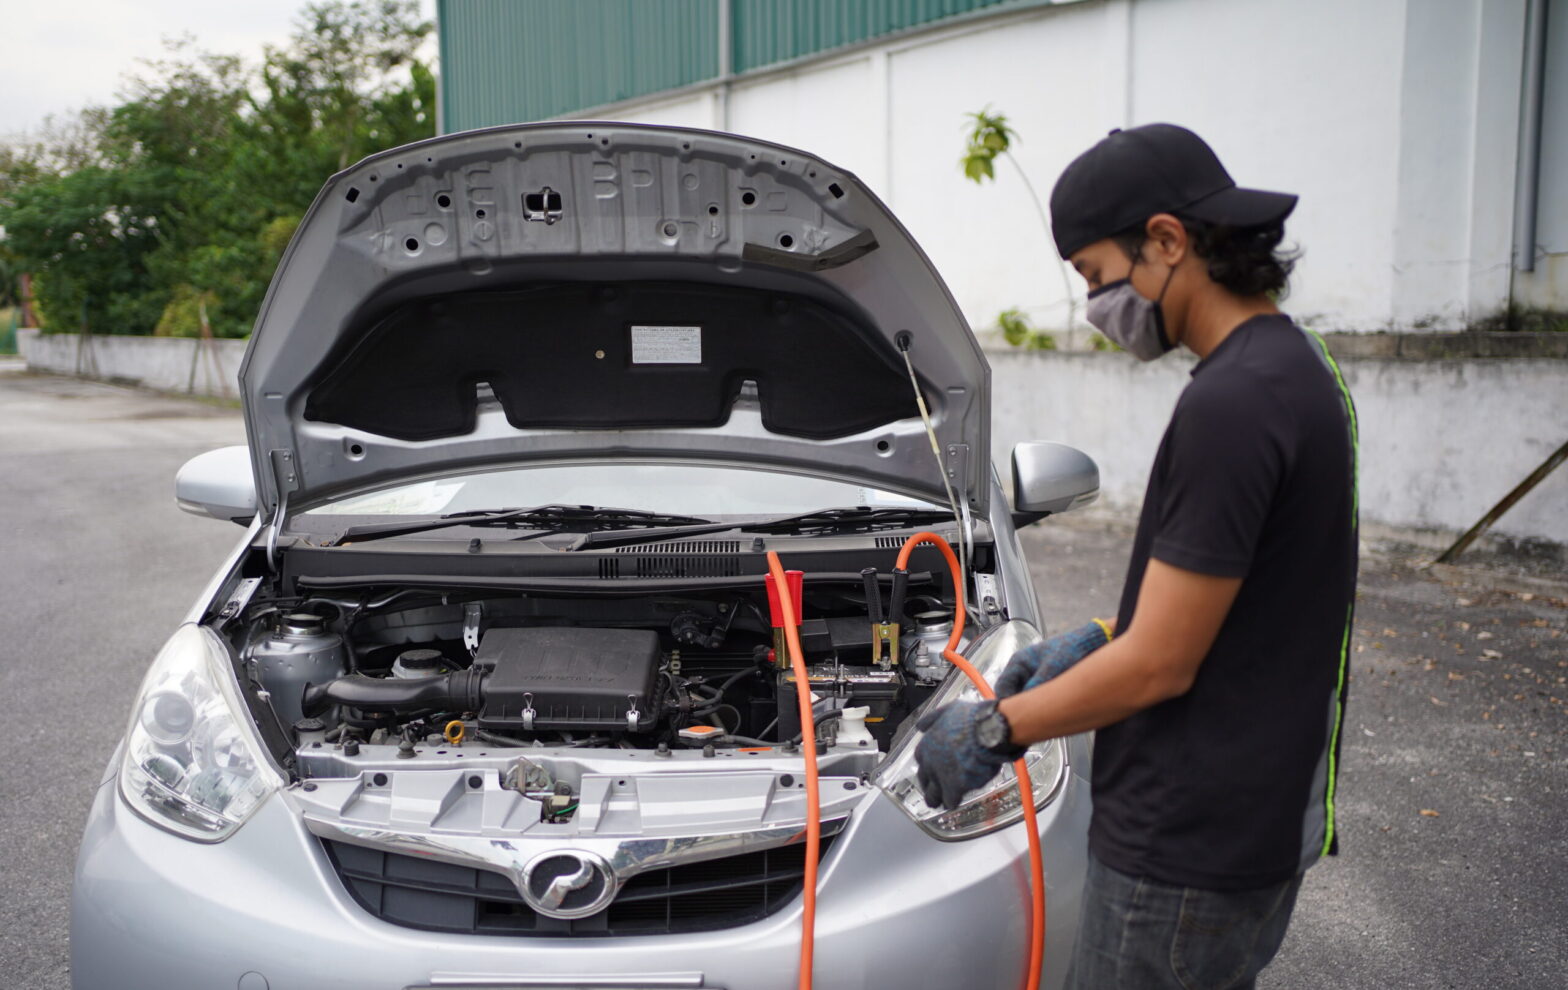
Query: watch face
point(992, 729)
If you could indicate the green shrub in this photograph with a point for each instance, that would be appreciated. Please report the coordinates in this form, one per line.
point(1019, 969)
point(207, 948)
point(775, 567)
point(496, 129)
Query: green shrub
point(182, 316)
point(1017, 331)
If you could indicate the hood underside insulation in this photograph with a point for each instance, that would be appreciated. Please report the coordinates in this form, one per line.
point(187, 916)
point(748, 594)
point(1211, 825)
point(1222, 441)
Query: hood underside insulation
point(626, 355)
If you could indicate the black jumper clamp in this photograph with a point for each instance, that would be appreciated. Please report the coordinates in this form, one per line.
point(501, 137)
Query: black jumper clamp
point(884, 631)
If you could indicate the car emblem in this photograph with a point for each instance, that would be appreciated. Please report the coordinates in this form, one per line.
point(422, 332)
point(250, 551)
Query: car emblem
point(567, 884)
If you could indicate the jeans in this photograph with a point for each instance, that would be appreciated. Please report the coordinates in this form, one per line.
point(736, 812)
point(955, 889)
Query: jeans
point(1138, 933)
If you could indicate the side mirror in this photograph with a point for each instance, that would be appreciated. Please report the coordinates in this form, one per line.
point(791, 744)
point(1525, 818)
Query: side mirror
point(1051, 477)
point(219, 484)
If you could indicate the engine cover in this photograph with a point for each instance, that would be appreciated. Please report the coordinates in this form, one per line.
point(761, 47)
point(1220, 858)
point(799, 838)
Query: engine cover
point(568, 678)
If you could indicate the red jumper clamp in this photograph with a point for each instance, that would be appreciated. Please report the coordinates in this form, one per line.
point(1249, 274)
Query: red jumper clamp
point(797, 584)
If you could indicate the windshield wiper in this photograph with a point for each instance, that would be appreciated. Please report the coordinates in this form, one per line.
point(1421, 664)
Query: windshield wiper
point(860, 518)
point(546, 518)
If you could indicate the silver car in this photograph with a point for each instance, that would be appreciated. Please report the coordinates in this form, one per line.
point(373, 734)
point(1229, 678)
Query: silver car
point(492, 694)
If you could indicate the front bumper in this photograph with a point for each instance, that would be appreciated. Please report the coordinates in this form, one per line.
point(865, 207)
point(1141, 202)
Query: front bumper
point(264, 910)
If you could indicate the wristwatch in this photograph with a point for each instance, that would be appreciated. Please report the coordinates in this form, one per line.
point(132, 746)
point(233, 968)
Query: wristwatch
point(993, 732)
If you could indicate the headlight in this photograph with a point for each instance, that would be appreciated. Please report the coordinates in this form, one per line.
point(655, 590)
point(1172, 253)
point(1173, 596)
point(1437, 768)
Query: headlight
point(193, 764)
point(996, 804)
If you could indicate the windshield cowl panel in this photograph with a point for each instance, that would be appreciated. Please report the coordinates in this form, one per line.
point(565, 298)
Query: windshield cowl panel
point(706, 492)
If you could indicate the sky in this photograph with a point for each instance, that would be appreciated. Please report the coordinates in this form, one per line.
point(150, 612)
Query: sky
point(57, 56)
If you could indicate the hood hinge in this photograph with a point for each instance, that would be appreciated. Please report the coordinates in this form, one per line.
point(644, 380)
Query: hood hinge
point(957, 467)
point(988, 595)
point(284, 480)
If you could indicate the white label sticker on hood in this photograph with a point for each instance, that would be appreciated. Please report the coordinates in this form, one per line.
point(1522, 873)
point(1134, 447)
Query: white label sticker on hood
point(666, 345)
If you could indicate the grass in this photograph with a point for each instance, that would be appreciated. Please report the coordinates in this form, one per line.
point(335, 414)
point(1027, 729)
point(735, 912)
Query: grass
point(1525, 318)
point(8, 322)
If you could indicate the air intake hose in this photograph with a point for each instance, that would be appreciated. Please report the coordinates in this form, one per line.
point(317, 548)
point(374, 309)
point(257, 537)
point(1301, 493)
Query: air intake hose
point(461, 690)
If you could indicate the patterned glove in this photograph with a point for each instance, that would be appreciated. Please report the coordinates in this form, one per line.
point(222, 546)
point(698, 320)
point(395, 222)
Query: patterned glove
point(1034, 665)
point(950, 762)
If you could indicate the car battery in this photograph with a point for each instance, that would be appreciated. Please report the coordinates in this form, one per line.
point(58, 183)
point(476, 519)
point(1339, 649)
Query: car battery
point(834, 686)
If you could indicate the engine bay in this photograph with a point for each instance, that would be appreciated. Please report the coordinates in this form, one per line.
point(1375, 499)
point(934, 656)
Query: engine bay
point(555, 684)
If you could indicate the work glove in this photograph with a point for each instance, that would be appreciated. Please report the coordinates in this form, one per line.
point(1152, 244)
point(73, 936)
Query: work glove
point(950, 762)
point(1033, 665)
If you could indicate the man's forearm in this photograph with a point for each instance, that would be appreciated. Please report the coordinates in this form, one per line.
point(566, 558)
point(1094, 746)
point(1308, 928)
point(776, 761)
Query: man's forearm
point(1110, 684)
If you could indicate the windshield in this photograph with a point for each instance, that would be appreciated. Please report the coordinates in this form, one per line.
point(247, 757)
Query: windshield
point(695, 490)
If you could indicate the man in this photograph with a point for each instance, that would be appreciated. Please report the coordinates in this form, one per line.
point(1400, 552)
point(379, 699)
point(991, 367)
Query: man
point(1219, 699)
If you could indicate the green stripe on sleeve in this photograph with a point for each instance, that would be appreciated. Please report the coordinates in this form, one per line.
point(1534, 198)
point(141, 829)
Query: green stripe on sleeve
point(1344, 646)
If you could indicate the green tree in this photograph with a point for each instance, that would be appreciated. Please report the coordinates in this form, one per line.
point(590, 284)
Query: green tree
point(87, 239)
point(10, 292)
point(182, 196)
point(175, 133)
point(990, 137)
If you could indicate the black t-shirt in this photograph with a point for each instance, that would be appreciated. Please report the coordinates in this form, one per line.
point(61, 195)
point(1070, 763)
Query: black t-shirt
point(1231, 785)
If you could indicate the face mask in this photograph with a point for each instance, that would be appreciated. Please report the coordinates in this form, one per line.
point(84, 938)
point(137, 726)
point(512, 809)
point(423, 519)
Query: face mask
point(1136, 324)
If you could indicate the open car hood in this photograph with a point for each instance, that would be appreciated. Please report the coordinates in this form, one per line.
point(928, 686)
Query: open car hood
point(606, 291)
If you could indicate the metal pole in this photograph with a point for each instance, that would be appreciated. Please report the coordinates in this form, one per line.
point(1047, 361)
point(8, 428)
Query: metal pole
point(1527, 183)
point(726, 59)
point(1496, 513)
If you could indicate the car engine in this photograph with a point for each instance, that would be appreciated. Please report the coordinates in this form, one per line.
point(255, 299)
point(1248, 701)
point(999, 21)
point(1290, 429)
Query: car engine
point(658, 673)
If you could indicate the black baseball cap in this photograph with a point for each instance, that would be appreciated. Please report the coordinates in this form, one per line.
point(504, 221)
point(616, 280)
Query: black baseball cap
point(1132, 174)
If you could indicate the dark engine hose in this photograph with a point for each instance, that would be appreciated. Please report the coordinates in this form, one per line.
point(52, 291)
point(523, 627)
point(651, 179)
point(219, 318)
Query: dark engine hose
point(461, 690)
point(817, 722)
point(736, 678)
point(707, 692)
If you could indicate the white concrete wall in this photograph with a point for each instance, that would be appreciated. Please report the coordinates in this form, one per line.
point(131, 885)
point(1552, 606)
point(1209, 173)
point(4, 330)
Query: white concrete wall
point(1395, 120)
point(1441, 441)
point(1457, 158)
point(1302, 97)
point(168, 364)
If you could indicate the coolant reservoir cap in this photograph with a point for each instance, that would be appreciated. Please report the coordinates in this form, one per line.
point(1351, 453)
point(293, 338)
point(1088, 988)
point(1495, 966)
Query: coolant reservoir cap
point(420, 659)
point(419, 663)
point(852, 729)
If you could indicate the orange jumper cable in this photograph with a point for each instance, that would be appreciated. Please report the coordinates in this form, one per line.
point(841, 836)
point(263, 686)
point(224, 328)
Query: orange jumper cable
point(1020, 768)
point(809, 742)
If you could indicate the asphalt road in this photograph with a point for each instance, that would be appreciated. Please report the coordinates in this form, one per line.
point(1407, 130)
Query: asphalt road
point(1453, 787)
point(99, 565)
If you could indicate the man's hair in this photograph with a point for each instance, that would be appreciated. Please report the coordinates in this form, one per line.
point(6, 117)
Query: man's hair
point(1246, 260)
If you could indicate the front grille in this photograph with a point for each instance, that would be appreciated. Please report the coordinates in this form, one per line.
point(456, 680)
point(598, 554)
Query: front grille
point(718, 893)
